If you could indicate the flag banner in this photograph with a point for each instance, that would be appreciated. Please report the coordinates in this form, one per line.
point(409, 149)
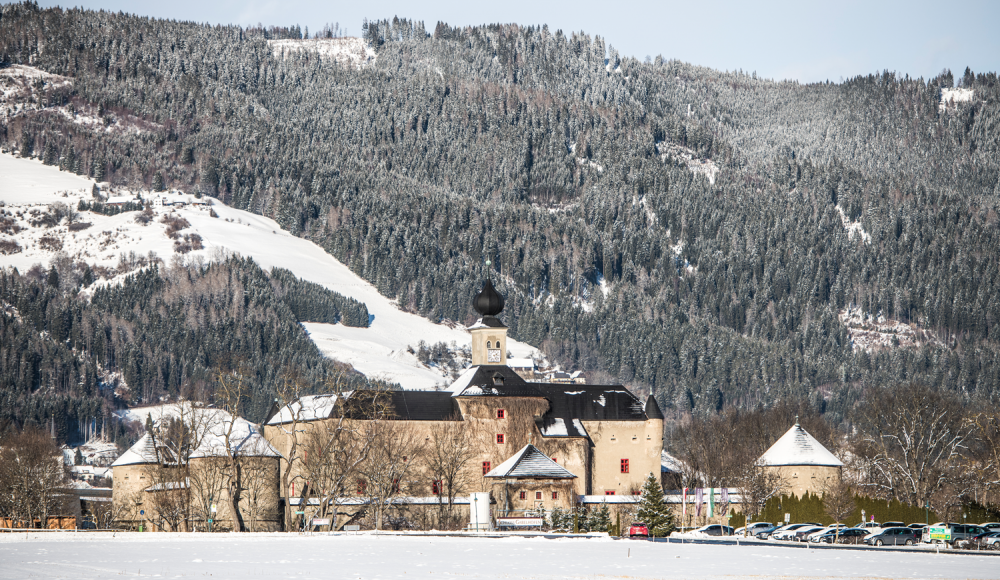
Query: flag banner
point(724, 508)
point(699, 500)
point(684, 502)
point(711, 502)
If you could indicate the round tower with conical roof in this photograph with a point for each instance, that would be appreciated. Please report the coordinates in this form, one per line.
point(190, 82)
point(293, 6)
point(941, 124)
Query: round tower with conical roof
point(489, 335)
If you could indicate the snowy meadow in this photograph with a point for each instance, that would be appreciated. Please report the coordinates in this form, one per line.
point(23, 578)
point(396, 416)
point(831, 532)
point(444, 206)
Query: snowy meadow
point(366, 556)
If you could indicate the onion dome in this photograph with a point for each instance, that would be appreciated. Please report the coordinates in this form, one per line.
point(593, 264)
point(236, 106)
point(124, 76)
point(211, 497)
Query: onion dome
point(488, 302)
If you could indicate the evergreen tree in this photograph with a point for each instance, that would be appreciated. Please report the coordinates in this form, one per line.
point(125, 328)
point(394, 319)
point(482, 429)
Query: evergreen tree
point(600, 520)
point(653, 510)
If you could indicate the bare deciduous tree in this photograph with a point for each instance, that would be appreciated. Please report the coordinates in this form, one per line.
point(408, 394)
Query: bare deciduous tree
point(915, 437)
point(449, 456)
point(838, 501)
point(756, 485)
point(393, 450)
point(30, 471)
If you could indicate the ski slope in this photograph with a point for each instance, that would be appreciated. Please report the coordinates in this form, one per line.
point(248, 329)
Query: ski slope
point(87, 556)
point(378, 351)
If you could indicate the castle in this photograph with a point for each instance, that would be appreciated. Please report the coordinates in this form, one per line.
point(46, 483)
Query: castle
point(526, 447)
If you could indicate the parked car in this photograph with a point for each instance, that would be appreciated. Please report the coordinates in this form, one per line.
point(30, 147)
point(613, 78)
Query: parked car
point(893, 536)
point(993, 541)
point(754, 529)
point(994, 526)
point(716, 530)
point(977, 542)
point(920, 529)
point(786, 532)
point(869, 525)
point(822, 531)
point(802, 534)
point(958, 533)
point(846, 536)
point(638, 530)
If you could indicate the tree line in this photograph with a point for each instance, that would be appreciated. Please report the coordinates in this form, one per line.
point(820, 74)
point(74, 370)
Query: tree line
point(544, 154)
point(76, 347)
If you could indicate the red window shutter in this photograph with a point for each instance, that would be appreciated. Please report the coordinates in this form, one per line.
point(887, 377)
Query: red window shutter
point(361, 486)
point(499, 438)
point(538, 495)
point(436, 487)
point(609, 492)
point(624, 465)
point(523, 495)
point(555, 495)
point(555, 459)
point(486, 467)
point(501, 413)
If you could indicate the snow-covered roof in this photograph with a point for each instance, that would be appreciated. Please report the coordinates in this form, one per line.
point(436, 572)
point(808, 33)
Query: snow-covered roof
point(209, 426)
point(463, 381)
point(141, 452)
point(308, 408)
point(798, 447)
point(530, 462)
point(121, 199)
point(397, 500)
point(521, 363)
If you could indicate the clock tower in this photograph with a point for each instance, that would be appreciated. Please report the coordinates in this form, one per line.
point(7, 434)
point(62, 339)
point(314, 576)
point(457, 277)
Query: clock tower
point(489, 335)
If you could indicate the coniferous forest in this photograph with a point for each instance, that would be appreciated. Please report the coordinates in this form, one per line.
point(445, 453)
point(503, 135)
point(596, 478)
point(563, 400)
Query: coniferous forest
point(73, 350)
point(695, 233)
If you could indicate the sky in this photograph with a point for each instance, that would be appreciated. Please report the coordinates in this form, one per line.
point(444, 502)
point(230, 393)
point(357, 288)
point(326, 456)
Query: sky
point(804, 41)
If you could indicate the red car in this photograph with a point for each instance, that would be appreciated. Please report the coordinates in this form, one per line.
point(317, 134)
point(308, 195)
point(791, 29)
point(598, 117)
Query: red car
point(638, 530)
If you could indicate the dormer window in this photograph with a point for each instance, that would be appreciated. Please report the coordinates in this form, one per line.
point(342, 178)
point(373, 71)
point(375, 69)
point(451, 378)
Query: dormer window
point(498, 379)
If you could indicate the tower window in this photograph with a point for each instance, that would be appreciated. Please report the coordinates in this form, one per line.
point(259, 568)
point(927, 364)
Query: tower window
point(524, 495)
point(624, 465)
point(609, 492)
point(486, 467)
point(488, 344)
point(436, 487)
point(555, 495)
point(499, 438)
point(538, 495)
point(501, 413)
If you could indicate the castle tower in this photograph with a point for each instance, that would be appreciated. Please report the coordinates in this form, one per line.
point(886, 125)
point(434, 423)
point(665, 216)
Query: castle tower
point(489, 335)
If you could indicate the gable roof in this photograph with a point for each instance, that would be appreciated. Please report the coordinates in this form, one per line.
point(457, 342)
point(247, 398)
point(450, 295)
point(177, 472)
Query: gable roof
point(798, 447)
point(529, 462)
point(308, 408)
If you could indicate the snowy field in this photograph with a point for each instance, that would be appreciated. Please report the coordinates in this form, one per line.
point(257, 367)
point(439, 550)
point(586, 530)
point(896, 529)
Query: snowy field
point(222, 556)
point(379, 351)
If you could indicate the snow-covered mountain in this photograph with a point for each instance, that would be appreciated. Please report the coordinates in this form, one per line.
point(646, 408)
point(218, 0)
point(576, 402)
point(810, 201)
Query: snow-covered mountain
point(384, 350)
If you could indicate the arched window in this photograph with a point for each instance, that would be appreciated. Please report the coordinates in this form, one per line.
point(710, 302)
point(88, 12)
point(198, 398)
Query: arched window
point(487, 344)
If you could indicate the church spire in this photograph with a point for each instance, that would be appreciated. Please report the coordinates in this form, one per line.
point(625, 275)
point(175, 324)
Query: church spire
point(488, 302)
point(489, 335)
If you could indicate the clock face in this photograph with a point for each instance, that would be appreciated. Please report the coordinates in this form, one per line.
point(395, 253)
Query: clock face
point(493, 355)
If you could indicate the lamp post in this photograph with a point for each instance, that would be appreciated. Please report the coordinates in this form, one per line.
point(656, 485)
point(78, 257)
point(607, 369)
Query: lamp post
point(475, 507)
point(211, 515)
point(927, 512)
